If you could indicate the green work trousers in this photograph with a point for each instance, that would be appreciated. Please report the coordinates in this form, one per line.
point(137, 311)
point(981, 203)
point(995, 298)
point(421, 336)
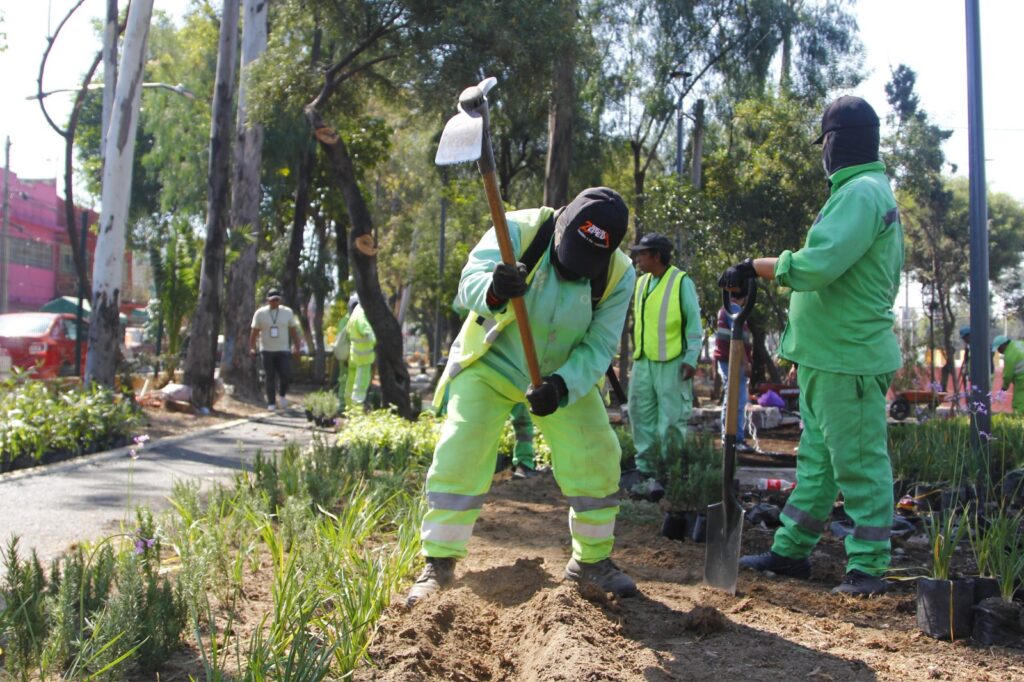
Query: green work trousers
point(344, 389)
point(358, 383)
point(584, 459)
point(660, 404)
point(522, 425)
point(843, 449)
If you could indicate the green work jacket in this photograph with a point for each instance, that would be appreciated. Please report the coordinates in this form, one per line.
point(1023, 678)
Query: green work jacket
point(845, 279)
point(1013, 363)
point(360, 334)
point(573, 338)
point(666, 318)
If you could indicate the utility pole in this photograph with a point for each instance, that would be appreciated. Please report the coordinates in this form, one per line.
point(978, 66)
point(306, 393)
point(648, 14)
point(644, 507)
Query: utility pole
point(981, 421)
point(4, 255)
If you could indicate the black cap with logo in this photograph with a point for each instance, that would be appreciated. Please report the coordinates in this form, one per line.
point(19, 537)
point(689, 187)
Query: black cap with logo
point(589, 230)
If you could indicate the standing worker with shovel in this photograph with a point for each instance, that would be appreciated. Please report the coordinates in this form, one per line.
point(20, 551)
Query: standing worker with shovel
point(840, 333)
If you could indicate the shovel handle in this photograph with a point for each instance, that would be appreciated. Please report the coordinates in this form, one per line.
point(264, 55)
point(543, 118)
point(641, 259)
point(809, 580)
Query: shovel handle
point(508, 256)
point(736, 360)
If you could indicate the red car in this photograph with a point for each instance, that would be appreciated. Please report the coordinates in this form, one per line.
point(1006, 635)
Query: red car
point(42, 342)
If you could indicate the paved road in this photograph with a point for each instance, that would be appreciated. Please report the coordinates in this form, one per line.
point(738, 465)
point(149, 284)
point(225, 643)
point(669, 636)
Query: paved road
point(52, 507)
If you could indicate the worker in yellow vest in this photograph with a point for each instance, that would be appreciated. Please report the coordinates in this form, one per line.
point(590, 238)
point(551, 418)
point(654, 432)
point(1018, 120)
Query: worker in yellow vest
point(576, 295)
point(667, 336)
point(361, 354)
point(342, 348)
point(1013, 368)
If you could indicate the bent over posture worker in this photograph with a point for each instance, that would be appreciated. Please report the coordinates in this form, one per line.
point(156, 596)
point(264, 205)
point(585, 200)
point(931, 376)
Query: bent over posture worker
point(1013, 368)
point(576, 326)
point(840, 333)
point(666, 340)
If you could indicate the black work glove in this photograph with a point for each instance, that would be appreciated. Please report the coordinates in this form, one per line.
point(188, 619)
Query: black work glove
point(736, 276)
point(544, 399)
point(509, 281)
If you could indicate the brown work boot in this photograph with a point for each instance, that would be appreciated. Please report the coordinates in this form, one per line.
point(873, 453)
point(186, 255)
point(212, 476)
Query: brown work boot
point(436, 575)
point(604, 574)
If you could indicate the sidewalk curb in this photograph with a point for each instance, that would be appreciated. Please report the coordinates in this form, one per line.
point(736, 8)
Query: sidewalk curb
point(97, 457)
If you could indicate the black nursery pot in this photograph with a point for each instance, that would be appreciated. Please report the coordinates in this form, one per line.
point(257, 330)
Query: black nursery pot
point(985, 588)
point(674, 526)
point(309, 415)
point(998, 622)
point(698, 522)
point(944, 608)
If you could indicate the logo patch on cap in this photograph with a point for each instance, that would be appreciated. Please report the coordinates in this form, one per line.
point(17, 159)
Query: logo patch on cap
point(595, 235)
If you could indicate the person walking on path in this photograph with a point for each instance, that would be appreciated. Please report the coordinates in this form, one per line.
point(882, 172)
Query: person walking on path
point(275, 325)
point(722, 337)
point(840, 334)
point(667, 337)
point(576, 294)
point(362, 352)
point(341, 356)
point(1013, 368)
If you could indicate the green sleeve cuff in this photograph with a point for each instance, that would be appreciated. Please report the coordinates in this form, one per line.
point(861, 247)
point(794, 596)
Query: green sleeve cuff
point(782, 266)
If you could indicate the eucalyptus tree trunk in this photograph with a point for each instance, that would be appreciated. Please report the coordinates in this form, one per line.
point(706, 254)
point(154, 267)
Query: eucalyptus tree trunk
point(108, 267)
point(560, 113)
point(697, 162)
point(237, 366)
point(202, 348)
point(110, 33)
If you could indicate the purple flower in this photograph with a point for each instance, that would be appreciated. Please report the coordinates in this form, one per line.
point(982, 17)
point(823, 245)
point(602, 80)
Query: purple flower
point(935, 386)
point(140, 546)
point(985, 436)
point(999, 396)
point(979, 407)
point(133, 453)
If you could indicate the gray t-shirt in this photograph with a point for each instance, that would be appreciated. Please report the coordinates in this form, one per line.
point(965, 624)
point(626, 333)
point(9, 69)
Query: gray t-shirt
point(273, 325)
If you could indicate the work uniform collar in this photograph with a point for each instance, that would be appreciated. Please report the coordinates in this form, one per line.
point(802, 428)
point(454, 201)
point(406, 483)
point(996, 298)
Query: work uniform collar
point(841, 176)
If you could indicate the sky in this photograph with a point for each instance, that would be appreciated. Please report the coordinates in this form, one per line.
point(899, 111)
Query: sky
point(929, 36)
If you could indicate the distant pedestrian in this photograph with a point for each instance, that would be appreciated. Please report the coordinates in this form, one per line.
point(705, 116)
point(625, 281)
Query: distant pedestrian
point(274, 324)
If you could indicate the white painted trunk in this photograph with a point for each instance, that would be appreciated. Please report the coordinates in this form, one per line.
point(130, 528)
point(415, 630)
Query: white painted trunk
point(108, 267)
point(109, 69)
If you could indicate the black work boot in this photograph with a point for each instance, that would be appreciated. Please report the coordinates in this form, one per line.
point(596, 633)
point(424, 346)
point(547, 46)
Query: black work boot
point(522, 471)
point(860, 584)
point(778, 564)
point(436, 575)
point(604, 574)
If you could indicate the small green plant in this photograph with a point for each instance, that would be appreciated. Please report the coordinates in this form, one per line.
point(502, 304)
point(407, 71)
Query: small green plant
point(695, 479)
point(1002, 540)
point(323, 405)
point(945, 531)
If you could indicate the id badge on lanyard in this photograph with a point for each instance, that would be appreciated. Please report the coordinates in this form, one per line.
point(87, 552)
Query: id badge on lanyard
point(274, 333)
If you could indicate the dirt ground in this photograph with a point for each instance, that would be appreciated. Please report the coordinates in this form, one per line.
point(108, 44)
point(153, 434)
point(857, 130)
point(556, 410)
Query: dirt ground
point(510, 617)
point(163, 422)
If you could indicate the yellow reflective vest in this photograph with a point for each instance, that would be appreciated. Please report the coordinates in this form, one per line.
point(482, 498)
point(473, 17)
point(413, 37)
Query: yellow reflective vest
point(658, 317)
point(479, 333)
point(361, 336)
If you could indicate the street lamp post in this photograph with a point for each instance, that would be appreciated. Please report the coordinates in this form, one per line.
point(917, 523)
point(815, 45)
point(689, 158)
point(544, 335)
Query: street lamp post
point(679, 120)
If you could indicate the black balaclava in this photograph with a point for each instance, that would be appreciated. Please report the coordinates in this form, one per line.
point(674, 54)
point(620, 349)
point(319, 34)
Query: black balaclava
point(849, 134)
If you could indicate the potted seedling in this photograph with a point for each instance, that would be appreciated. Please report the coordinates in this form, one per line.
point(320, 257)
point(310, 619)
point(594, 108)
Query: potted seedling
point(997, 618)
point(944, 601)
point(324, 406)
point(691, 489)
point(986, 584)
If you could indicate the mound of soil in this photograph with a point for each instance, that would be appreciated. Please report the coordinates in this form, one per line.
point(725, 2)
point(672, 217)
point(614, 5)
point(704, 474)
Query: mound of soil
point(511, 617)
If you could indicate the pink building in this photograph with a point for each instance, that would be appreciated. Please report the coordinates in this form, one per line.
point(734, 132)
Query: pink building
point(41, 265)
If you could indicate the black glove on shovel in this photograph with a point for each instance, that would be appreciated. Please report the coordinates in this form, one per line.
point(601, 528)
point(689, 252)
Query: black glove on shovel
point(737, 276)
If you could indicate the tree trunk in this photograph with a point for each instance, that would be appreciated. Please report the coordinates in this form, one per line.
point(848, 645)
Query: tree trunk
point(394, 375)
point(108, 267)
point(560, 113)
point(109, 70)
point(290, 277)
point(237, 366)
point(316, 321)
point(202, 348)
point(697, 162)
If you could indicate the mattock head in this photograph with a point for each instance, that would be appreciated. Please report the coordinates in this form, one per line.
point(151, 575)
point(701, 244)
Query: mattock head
point(463, 136)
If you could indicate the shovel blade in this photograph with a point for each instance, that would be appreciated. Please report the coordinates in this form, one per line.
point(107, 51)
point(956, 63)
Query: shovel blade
point(722, 558)
point(462, 139)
